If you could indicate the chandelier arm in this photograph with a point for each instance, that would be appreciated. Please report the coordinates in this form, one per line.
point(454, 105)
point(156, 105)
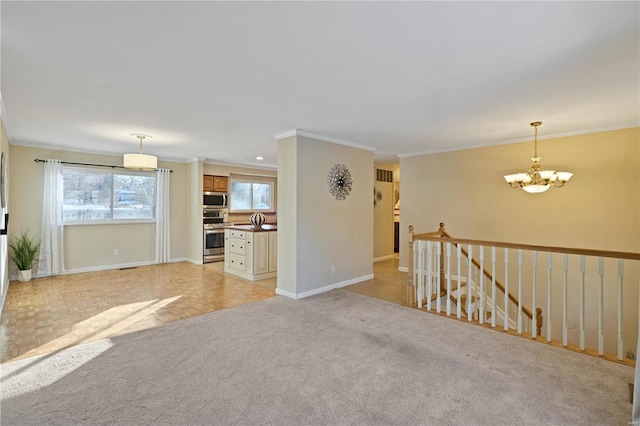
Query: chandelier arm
point(535, 142)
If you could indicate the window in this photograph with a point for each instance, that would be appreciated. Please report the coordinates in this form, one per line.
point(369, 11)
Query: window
point(93, 195)
point(252, 193)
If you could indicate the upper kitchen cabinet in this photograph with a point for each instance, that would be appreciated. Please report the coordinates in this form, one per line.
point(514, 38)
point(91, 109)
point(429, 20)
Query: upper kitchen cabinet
point(215, 183)
point(207, 183)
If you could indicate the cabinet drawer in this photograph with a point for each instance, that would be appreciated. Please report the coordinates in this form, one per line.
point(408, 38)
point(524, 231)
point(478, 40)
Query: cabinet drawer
point(237, 246)
point(237, 262)
point(237, 234)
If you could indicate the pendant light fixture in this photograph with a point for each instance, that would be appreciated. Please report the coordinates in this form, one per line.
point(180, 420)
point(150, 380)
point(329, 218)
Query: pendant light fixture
point(140, 161)
point(537, 180)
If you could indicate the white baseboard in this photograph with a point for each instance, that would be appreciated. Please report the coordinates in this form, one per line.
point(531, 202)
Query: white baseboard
point(286, 293)
point(194, 261)
point(380, 259)
point(325, 288)
point(403, 269)
point(250, 277)
point(103, 268)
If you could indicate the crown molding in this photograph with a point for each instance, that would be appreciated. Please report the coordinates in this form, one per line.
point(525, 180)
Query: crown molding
point(300, 132)
point(86, 151)
point(240, 165)
point(518, 140)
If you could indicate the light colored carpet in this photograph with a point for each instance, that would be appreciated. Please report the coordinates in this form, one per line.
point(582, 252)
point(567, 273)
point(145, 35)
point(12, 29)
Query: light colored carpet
point(334, 358)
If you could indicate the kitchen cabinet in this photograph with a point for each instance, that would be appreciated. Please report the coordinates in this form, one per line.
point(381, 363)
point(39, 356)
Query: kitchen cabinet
point(250, 253)
point(212, 183)
point(273, 251)
point(207, 183)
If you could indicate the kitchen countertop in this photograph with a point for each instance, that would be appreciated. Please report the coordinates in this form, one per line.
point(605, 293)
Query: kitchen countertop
point(250, 228)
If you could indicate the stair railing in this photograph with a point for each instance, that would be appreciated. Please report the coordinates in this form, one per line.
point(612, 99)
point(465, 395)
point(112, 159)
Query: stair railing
point(430, 271)
point(438, 267)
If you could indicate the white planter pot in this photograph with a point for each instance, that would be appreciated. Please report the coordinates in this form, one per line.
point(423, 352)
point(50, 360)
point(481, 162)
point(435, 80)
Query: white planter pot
point(24, 276)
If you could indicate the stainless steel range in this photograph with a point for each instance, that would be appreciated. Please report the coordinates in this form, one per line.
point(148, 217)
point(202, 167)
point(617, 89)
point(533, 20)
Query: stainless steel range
point(213, 234)
point(213, 249)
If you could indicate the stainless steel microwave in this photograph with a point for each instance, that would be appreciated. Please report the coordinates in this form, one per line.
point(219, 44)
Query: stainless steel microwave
point(214, 200)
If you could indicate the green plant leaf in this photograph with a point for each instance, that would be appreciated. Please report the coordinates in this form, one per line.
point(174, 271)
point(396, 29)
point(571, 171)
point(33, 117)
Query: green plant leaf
point(23, 250)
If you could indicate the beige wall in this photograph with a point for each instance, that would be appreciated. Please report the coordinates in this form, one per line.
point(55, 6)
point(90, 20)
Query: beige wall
point(383, 214)
point(4, 259)
point(316, 231)
point(598, 209)
point(194, 210)
point(288, 214)
point(91, 246)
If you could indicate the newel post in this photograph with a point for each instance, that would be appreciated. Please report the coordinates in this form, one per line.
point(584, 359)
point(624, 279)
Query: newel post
point(539, 321)
point(410, 267)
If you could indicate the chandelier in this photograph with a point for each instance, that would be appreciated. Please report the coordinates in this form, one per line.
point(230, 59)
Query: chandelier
point(537, 180)
point(140, 161)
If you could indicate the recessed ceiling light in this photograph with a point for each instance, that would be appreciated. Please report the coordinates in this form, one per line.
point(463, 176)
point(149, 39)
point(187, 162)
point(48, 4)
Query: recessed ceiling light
point(259, 158)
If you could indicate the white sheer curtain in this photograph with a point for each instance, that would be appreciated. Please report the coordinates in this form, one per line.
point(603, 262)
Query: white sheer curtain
point(52, 248)
point(163, 239)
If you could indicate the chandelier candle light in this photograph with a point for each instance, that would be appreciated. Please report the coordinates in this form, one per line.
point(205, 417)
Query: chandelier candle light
point(140, 161)
point(537, 180)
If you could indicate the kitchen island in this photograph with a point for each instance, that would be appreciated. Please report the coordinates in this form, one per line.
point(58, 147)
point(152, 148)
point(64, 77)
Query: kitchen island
point(251, 253)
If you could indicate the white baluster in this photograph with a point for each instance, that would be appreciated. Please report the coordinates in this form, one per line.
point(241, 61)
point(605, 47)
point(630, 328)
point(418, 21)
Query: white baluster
point(469, 280)
point(620, 279)
point(506, 289)
point(415, 266)
point(565, 273)
point(438, 283)
point(534, 320)
point(600, 306)
point(420, 272)
point(520, 291)
point(481, 272)
point(582, 271)
point(549, 267)
point(459, 305)
point(448, 278)
point(493, 287)
point(429, 273)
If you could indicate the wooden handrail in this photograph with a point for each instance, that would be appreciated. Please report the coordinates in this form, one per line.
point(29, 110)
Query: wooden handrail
point(568, 250)
point(499, 285)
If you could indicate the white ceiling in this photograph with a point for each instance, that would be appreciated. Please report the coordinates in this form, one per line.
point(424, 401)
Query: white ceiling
point(217, 80)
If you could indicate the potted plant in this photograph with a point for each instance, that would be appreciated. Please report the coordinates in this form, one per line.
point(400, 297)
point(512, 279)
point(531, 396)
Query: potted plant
point(23, 250)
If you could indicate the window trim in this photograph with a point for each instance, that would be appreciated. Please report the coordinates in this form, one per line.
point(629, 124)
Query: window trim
point(112, 173)
point(270, 180)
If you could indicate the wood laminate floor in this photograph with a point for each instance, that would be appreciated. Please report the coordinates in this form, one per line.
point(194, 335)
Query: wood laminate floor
point(49, 314)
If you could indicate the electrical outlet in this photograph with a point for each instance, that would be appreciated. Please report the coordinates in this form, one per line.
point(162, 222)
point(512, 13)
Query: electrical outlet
point(116, 252)
point(333, 269)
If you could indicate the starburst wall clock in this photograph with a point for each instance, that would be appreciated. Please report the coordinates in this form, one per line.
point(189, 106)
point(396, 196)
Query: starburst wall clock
point(339, 181)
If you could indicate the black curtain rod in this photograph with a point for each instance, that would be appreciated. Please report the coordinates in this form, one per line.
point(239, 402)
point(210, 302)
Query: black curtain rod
point(37, 160)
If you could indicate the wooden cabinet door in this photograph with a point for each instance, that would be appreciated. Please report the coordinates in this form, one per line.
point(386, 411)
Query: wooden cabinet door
point(220, 183)
point(273, 251)
point(261, 252)
point(207, 183)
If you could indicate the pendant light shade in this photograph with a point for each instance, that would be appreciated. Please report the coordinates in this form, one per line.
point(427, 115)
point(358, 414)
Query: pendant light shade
point(140, 161)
